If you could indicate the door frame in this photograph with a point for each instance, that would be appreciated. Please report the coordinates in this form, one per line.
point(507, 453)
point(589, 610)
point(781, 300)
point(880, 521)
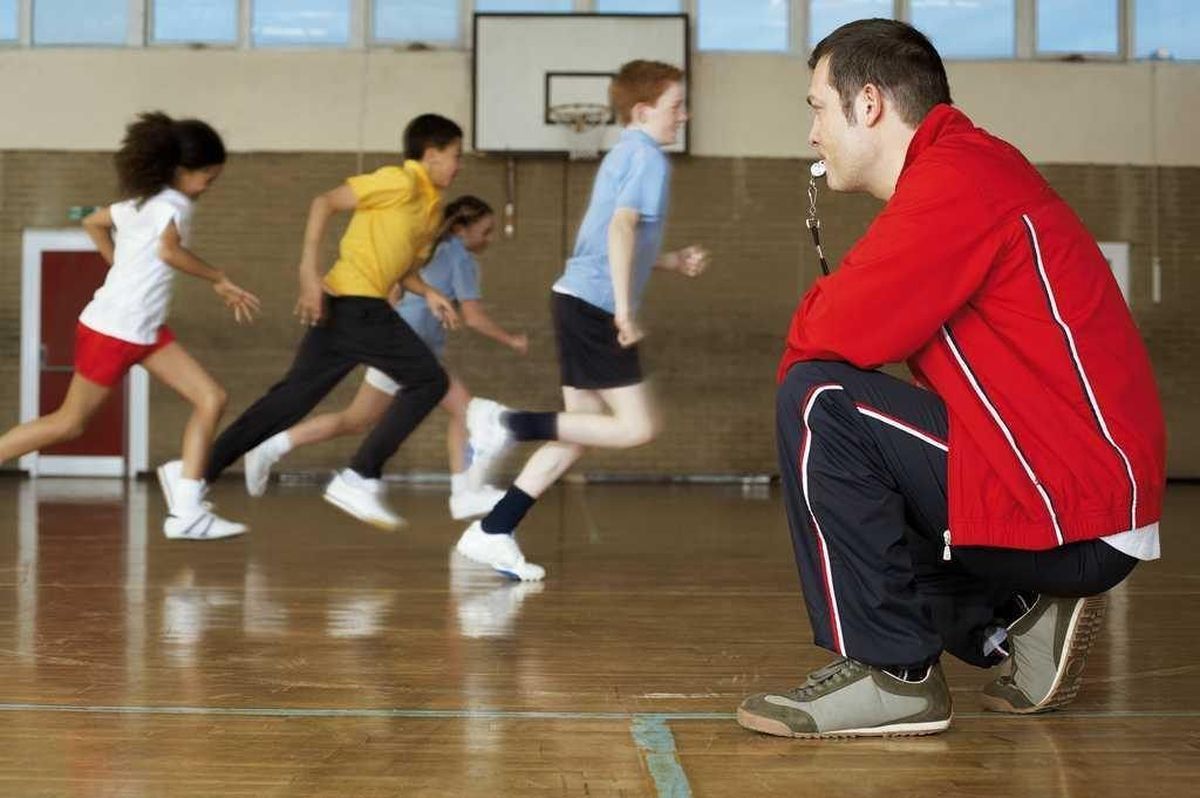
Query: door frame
point(35, 242)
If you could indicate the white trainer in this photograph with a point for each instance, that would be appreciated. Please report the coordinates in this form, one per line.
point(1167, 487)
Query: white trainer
point(472, 502)
point(489, 438)
point(363, 499)
point(258, 462)
point(203, 524)
point(168, 476)
point(501, 552)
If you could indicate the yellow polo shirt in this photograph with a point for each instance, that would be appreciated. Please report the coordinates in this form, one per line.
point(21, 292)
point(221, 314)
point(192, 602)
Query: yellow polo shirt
point(391, 232)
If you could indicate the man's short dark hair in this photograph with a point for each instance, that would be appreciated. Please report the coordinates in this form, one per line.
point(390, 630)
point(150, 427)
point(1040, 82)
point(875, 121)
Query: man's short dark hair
point(429, 131)
point(896, 57)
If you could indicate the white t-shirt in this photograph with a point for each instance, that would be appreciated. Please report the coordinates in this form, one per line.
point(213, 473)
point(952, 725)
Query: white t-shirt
point(132, 303)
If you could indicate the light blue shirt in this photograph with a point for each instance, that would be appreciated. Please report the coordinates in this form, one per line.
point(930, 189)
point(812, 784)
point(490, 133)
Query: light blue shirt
point(453, 271)
point(635, 175)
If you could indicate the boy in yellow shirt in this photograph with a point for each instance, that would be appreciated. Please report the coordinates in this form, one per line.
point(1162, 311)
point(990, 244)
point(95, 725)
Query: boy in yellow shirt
point(397, 213)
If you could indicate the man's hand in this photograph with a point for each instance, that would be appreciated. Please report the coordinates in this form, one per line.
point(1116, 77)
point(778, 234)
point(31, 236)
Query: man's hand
point(442, 308)
point(245, 305)
point(519, 343)
point(310, 306)
point(628, 331)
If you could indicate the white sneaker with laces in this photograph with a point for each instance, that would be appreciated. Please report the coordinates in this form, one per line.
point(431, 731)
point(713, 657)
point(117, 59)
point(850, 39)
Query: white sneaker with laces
point(202, 524)
point(489, 438)
point(363, 499)
point(472, 502)
point(501, 552)
point(258, 462)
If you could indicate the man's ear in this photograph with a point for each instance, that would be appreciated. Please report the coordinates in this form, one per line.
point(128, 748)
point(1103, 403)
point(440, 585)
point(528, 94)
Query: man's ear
point(870, 105)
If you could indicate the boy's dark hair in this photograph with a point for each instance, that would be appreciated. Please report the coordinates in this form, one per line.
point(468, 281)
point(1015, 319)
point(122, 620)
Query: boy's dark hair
point(892, 55)
point(640, 82)
point(155, 145)
point(462, 211)
point(429, 131)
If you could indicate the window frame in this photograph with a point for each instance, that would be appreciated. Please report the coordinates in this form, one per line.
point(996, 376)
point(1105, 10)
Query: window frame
point(1038, 54)
point(139, 33)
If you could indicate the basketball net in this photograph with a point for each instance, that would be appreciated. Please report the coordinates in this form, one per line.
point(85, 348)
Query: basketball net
point(583, 127)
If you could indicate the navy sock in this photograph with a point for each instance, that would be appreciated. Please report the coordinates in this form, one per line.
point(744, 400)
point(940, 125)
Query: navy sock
point(527, 426)
point(508, 512)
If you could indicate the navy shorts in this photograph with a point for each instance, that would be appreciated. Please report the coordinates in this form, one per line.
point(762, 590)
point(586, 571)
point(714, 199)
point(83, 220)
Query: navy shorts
point(589, 356)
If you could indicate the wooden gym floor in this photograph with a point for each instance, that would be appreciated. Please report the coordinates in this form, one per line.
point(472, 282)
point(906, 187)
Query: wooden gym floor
point(318, 657)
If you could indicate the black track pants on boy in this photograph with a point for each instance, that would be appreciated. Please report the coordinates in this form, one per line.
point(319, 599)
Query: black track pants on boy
point(356, 330)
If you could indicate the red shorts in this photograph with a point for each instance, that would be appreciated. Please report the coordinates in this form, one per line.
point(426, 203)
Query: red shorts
point(104, 360)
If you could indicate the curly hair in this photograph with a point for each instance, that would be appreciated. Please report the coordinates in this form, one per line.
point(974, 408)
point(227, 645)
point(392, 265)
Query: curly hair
point(155, 145)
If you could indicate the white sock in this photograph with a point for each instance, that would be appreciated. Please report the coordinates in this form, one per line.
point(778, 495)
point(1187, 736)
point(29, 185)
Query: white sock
point(459, 483)
point(357, 480)
point(278, 445)
point(188, 493)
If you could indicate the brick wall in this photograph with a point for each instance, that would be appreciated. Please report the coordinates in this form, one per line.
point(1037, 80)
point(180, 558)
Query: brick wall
point(713, 342)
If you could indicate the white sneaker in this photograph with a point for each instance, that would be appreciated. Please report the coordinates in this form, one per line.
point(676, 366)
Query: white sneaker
point(489, 438)
point(258, 462)
point(473, 502)
point(203, 524)
point(501, 552)
point(168, 475)
point(361, 498)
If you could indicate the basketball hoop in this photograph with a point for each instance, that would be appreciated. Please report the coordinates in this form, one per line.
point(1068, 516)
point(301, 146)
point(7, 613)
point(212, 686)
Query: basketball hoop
point(583, 127)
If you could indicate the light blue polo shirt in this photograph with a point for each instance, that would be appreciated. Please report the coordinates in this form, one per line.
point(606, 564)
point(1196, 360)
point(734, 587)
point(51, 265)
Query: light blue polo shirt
point(636, 175)
point(453, 271)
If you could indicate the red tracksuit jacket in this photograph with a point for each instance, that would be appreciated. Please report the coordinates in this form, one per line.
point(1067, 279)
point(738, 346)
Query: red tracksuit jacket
point(986, 282)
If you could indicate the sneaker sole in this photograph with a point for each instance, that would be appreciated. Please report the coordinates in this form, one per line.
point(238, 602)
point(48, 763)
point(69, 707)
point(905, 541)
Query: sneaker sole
point(777, 728)
point(345, 508)
point(1085, 626)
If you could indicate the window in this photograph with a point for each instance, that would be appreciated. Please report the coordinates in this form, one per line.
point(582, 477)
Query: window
point(638, 6)
point(524, 5)
point(80, 21)
point(968, 28)
point(8, 21)
point(759, 25)
point(292, 23)
point(1077, 26)
point(208, 21)
point(1166, 29)
point(826, 16)
point(415, 20)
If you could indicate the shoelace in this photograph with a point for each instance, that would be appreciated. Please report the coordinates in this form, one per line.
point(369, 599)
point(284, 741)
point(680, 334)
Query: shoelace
point(837, 671)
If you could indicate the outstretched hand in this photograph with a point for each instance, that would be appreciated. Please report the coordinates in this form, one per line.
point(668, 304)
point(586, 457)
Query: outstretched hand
point(245, 305)
point(692, 261)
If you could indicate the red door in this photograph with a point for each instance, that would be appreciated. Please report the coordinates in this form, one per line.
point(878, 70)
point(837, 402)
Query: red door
point(68, 281)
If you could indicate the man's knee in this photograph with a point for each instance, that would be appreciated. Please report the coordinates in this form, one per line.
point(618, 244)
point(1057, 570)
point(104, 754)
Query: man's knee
point(798, 384)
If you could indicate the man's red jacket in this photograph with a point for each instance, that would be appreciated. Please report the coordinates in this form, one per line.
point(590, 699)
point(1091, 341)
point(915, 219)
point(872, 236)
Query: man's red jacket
point(986, 282)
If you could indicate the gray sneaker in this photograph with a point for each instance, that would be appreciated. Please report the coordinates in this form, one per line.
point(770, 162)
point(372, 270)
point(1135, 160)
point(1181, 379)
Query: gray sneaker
point(849, 699)
point(1049, 646)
